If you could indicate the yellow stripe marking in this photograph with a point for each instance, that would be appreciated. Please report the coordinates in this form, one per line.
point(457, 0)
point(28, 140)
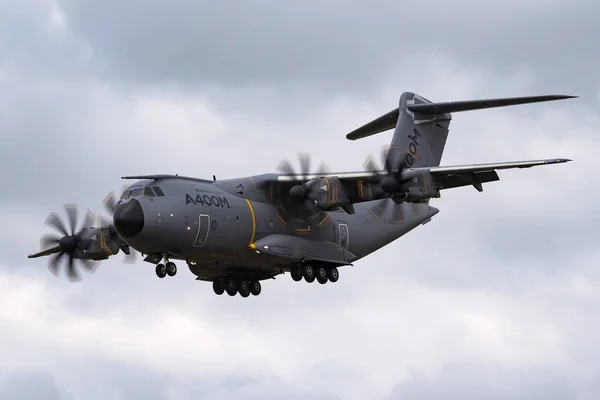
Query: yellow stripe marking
point(328, 192)
point(372, 213)
point(253, 222)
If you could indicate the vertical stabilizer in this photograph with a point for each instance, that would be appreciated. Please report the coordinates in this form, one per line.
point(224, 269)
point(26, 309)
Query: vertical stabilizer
point(419, 139)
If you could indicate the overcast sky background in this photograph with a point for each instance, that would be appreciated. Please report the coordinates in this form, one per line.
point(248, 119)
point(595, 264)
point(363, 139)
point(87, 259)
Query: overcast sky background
point(498, 297)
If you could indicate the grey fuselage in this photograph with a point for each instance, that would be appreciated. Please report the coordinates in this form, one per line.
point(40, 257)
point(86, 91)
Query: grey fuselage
point(211, 225)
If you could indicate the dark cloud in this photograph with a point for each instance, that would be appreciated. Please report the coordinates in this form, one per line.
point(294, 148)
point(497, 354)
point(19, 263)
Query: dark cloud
point(336, 45)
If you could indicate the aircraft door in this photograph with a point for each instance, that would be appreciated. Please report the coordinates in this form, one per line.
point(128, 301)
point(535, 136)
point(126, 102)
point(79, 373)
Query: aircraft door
point(344, 236)
point(203, 228)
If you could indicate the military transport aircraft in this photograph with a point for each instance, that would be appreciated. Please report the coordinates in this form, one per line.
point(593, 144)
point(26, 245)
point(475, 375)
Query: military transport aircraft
point(238, 232)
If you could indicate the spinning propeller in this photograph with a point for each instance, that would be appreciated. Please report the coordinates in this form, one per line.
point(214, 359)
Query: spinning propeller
point(306, 193)
point(71, 244)
point(389, 184)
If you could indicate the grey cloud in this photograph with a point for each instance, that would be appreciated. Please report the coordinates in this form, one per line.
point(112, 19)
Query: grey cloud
point(30, 385)
point(69, 139)
point(472, 380)
point(334, 45)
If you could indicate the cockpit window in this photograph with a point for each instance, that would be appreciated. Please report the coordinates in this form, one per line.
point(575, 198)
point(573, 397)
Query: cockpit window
point(136, 192)
point(148, 192)
point(158, 191)
point(125, 194)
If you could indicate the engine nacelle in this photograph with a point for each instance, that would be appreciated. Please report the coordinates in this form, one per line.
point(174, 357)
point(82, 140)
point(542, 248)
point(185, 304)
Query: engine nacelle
point(327, 193)
point(417, 188)
point(98, 243)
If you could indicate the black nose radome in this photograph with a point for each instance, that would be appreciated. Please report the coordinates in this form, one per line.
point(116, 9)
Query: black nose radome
point(128, 218)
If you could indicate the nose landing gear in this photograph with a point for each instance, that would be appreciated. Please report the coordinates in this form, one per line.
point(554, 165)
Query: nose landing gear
point(169, 268)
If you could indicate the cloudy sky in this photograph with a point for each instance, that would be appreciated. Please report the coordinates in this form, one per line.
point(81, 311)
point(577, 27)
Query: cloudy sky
point(498, 297)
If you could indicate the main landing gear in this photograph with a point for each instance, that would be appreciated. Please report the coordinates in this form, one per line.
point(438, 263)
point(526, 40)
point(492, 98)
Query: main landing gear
point(233, 286)
point(311, 272)
point(163, 270)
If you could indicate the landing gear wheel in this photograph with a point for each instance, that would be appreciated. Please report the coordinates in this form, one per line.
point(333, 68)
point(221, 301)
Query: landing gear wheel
point(218, 287)
point(161, 271)
point(255, 287)
point(244, 288)
point(309, 273)
point(171, 268)
point(296, 273)
point(230, 287)
point(333, 274)
point(321, 273)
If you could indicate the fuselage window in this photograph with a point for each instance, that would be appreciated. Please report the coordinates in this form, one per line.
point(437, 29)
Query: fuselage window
point(158, 191)
point(148, 192)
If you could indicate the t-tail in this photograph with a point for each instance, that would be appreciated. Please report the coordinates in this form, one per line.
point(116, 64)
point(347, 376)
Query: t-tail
point(421, 126)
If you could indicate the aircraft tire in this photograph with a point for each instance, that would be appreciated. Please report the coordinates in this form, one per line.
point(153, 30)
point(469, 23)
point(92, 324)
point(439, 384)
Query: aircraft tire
point(218, 287)
point(309, 273)
point(161, 271)
point(243, 288)
point(333, 274)
point(255, 287)
point(171, 268)
point(321, 274)
point(230, 287)
point(296, 273)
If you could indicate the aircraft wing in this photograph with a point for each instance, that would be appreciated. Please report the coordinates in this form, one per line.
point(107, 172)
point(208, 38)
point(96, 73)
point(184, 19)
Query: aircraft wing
point(476, 174)
point(428, 181)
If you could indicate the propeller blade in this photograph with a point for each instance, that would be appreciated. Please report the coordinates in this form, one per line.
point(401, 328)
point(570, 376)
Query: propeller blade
point(379, 209)
point(49, 241)
point(286, 168)
point(73, 275)
point(304, 163)
point(88, 221)
point(90, 265)
point(110, 203)
point(323, 169)
point(370, 165)
point(71, 210)
point(54, 221)
point(385, 151)
point(53, 262)
point(397, 213)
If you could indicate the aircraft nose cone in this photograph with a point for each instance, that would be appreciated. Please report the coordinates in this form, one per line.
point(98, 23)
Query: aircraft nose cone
point(128, 218)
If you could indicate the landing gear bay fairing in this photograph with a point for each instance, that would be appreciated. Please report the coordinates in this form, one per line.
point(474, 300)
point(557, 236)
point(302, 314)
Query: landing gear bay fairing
point(238, 232)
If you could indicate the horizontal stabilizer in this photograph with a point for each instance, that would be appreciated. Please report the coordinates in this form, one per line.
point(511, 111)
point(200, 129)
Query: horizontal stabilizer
point(389, 120)
point(381, 124)
point(469, 105)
